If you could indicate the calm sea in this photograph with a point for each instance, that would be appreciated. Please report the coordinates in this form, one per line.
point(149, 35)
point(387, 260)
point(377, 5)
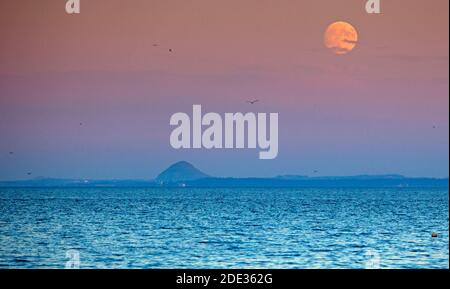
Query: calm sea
point(223, 228)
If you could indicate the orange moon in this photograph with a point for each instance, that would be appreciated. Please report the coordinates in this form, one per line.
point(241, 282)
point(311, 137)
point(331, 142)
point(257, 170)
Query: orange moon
point(340, 37)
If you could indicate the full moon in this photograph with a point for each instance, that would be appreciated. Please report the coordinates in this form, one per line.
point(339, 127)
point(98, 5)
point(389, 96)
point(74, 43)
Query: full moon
point(341, 37)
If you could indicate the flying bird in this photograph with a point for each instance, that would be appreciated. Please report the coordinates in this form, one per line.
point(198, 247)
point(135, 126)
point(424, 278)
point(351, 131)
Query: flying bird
point(170, 50)
point(253, 101)
point(11, 153)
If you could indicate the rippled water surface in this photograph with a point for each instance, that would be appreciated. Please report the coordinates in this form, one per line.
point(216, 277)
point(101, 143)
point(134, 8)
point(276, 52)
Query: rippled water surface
point(223, 228)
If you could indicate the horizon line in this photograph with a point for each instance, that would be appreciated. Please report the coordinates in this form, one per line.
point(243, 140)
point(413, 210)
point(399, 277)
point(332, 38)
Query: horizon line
point(285, 176)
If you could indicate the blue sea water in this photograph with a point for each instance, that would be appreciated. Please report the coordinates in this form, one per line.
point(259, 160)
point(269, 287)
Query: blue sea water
point(224, 228)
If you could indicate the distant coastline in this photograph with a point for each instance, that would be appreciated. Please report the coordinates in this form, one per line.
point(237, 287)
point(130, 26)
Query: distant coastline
point(184, 174)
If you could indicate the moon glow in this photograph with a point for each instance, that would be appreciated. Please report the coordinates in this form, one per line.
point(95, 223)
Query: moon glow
point(340, 37)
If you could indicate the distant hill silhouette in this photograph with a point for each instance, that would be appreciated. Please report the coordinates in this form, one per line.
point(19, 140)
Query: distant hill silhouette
point(184, 174)
point(179, 172)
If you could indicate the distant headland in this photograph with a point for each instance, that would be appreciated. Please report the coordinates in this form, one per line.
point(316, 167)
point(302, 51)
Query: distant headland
point(184, 174)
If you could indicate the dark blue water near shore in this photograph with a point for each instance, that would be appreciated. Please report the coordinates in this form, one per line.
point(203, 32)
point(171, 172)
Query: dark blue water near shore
point(224, 228)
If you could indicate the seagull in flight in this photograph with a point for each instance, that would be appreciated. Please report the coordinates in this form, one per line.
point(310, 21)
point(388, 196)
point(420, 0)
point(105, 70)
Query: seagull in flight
point(253, 101)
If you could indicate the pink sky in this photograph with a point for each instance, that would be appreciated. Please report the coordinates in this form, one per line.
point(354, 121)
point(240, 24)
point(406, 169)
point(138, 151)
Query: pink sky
point(371, 111)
